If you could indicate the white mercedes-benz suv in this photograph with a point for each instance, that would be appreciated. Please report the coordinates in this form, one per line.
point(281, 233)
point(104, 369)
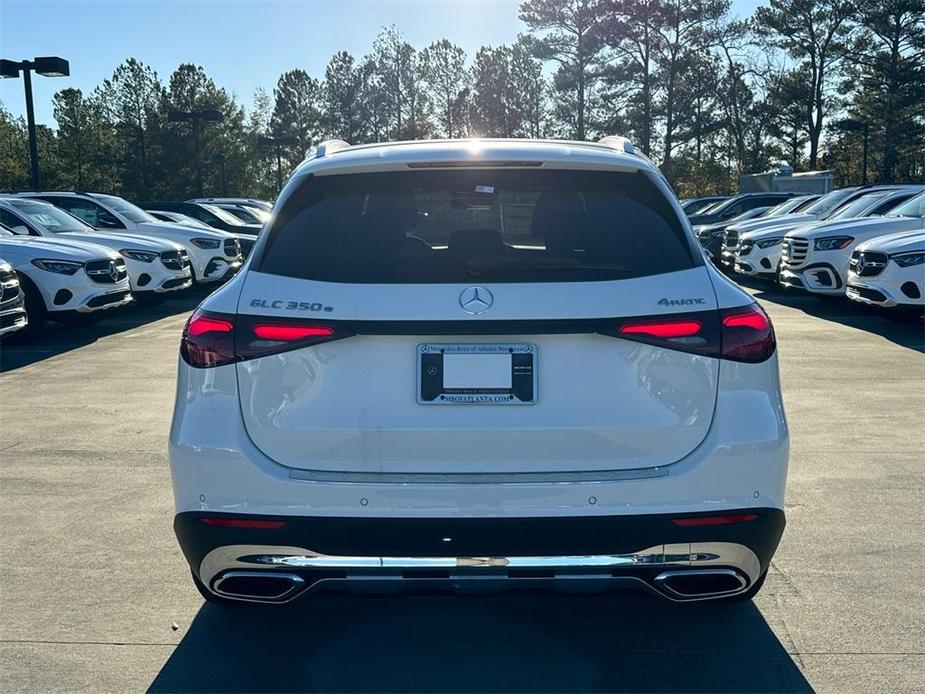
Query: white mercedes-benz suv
point(64, 280)
point(156, 267)
point(889, 271)
point(817, 258)
point(472, 364)
point(214, 255)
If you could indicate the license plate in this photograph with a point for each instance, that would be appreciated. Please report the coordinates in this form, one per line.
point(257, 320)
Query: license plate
point(483, 374)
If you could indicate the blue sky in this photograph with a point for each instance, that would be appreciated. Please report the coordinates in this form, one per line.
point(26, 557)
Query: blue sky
point(242, 44)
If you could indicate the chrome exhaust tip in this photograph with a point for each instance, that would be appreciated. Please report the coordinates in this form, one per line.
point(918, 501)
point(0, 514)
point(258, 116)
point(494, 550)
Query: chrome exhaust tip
point(258, 586)
point(697, 584)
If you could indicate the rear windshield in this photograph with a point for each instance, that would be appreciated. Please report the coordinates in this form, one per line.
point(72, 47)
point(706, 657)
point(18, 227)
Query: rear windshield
point(468, 225)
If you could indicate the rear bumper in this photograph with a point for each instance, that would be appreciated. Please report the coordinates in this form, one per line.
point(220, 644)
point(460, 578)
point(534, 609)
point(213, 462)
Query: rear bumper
point(646, 552)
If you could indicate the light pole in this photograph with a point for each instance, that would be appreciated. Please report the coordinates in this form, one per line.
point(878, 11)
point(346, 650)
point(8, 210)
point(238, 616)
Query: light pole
point(852, 125)
point(220, 160)
point(278, 143)
point(48, 66)
point(194, 117)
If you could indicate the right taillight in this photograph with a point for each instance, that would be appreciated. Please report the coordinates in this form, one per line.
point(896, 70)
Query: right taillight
point(211, 339)
point(747, 334)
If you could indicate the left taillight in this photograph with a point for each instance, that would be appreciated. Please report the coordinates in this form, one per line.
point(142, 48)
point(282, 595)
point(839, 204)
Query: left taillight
point(208, 340)
point(211, 339)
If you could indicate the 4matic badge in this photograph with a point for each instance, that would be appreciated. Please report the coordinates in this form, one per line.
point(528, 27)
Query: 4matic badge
point(283, 304)
point(681, 302)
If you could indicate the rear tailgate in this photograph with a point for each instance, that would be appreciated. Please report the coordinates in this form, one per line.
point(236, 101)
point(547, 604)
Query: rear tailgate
point(601, 402)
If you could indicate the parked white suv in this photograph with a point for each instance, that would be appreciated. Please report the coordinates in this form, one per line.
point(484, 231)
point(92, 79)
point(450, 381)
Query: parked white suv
point(817, 258)
point(461, 363)
point(758, 253)
point(156, 267)
point(65, 280)
point(889, 271)
point(214, 255)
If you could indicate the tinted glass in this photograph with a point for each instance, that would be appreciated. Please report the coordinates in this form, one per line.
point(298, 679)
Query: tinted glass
point(857, 207)
point(131, 212)
point(911, 208)
point(223, 215)
point(829, 201)
point(48, 217)
point(85, 210)
point(12, 221)
point(467, 226)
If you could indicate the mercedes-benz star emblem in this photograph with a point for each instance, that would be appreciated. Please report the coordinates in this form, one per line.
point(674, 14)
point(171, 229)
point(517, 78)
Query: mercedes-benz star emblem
point(113, 271)
point(476, 300)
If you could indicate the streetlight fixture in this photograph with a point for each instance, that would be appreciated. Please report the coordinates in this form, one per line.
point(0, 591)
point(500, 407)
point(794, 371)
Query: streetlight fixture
point(852, 125)
point(277, 143)
point(195, 117)
point(48, 66)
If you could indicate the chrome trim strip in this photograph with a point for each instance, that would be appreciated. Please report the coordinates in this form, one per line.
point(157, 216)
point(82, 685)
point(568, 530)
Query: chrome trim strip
point(479, 478)
point(696, 556)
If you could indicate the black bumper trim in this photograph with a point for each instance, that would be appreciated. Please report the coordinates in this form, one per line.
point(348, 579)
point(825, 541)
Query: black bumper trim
point(424, 537)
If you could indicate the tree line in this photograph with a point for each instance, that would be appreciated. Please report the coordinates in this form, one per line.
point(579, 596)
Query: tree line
point(707, 95)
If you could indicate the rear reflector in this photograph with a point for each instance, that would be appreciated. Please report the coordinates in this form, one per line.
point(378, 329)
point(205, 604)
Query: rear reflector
point(249, 523)
point(663, 329)
point(287, 333)
point(714, 520)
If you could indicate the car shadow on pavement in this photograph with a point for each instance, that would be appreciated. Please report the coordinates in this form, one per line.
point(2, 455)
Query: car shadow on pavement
point(908, 333)
point(54, 338)
point(520, 642)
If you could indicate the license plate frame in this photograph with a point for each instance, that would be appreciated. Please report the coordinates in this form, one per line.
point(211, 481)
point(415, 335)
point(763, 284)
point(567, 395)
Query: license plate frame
point(431, 389)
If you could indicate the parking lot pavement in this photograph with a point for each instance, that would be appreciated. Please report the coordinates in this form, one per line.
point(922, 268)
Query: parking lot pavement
point(93, 583)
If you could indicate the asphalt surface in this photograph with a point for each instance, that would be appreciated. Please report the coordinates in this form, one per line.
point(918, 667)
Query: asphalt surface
point(95, 596)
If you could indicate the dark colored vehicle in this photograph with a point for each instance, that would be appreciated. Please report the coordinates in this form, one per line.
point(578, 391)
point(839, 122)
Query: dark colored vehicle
point(212, 215)
point(700, 204)
point(738, 204)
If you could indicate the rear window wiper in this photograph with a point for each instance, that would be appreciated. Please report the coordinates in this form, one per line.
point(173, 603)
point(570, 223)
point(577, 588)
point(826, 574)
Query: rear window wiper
point(486, 265)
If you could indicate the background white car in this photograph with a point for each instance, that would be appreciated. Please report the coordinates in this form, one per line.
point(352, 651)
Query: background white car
point(12, 305)
point(757, 253)
point(817, 259)
point(214, 255)
point(889, 271)
point(65, 280)
point(156, 267)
